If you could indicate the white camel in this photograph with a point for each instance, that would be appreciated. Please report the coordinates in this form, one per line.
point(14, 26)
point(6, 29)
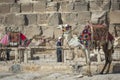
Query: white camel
point(108, 46)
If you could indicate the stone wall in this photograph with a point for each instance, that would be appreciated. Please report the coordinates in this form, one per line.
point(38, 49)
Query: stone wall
point(29, 15)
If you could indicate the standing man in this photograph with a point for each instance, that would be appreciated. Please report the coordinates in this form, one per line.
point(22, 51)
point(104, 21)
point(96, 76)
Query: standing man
point(59, 49)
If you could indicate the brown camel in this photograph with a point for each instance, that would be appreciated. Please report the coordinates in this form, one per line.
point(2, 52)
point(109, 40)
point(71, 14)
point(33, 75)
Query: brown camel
point(95, 36)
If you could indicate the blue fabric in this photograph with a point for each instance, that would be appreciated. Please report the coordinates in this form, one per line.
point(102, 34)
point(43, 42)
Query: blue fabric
point(59, 51)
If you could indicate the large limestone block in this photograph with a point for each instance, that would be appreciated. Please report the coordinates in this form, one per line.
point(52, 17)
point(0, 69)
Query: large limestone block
point(78, 6)
point(32, 30)
point(114, 17)
point(14, 19)
point(1, 19)
point(15, 8)
point(26, 7)
point(98, 5)
point(25, 1)
point(66, 6)
point(7, 1)
point(52, 6)
point(30, 19)
point(83, 17)
point(48, 31)
point(115, 4)
point(98, 16)
point(69, 18)
point(42, 18)
point(4, 8)
point(116, 55)
point(39, 6)
point(54, 19)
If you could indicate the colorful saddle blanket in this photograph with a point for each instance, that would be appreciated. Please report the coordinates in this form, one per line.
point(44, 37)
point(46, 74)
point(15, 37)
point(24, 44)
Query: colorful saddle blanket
point(95, 33)
point(85, 36)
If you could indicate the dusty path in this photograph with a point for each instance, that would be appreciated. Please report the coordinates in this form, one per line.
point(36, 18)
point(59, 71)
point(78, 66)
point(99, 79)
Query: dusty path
point(55, 76)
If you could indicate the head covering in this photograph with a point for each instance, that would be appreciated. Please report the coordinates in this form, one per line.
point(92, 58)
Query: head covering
point(66, 25)
point(60, 37)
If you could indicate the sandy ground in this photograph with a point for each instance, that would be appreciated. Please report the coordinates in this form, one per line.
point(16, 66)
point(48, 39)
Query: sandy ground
point(55, 76)
point(47, 75)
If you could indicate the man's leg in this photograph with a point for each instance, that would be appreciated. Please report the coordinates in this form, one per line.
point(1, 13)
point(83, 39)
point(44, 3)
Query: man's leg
point(59, 56)
point(8, 54)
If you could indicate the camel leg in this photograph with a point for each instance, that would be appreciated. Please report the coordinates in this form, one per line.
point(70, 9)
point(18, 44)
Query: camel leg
point(87, 54)
point(106, 57)
point(104, 67)
point(106, 63)
point(98, 56)
point(108, 67)
point(109, 63)
point(89, 69)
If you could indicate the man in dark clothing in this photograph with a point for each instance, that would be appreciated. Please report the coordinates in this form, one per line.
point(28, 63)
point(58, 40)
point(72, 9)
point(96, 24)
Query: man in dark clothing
point(59, 49)
point(8, 54)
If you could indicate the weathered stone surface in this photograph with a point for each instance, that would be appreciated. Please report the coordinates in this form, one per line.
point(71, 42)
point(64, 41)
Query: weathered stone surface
point(16, 68)
point(49, 0)
point(42, 18)
point(98, 17)
point(27, 7)
point(4, 8)
point(13, 19)
point(7, 1)
point(66, 6)
point(1, 19)
point(69, 18)
point(15, 8)
point(54, 19)
point(52, 6)
point(115, 4)
point(115, 30)
point(79, 0)
point(74, 6)
point(40, 6)
point(96, 5)
point(116, 55)
point(83, 17)
point(25, 1)
point(114, 17)
point(48, 31)
point(58, 67)
point(78, 6)
point(32, 30)
point(19, 20)
point(30, 19)
point(60, 0)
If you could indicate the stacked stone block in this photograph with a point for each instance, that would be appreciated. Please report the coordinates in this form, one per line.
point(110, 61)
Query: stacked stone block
point(40, 6)
point(51, 13)
point(4, 8)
